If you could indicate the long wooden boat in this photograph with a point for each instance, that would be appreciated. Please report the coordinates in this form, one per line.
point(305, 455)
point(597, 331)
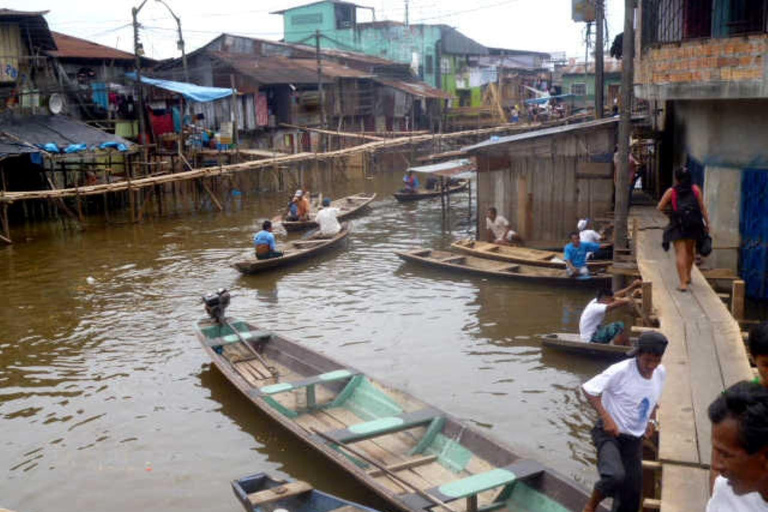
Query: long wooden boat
point(524, 255)
point(413, 455)
point(262, 492)
point(571, 343)
point(348, 206)
point(427, 194)
point(296, 251)
point(500, 269)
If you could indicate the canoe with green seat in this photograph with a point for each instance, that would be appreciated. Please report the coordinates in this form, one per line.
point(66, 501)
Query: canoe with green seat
point(455, 462)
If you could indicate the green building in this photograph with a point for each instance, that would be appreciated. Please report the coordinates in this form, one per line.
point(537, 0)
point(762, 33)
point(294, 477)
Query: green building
point(439, 55)
point(576, 82)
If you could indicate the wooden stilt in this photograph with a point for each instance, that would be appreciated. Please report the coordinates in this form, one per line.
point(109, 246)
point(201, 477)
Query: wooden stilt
point(6, 236)
point(647, 290)
point(737, 299)
point(214, 199)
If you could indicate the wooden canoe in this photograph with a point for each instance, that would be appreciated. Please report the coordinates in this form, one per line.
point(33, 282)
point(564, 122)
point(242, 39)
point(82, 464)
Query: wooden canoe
point(427, 194)
point(348, 206)
point(262, 492)
point(571, 343)
point(524, 255)
point(500, 269)
point(332, 407)
point(296, 251)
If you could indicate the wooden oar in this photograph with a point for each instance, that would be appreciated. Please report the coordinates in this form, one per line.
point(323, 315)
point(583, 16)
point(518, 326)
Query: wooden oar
point(271, 369)
point(398, 480)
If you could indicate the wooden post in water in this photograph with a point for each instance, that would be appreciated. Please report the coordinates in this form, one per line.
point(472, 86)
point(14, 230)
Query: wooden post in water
point(647, 290)
point(737, 299)
point(6, 236)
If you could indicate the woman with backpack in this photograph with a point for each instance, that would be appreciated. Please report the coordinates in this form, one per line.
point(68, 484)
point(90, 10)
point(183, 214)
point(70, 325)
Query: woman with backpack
point(689, 223)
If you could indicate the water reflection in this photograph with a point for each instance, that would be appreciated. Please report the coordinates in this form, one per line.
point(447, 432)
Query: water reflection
point(105, 395)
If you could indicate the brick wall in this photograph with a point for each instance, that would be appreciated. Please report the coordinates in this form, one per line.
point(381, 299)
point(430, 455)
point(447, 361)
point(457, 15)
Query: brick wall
point(707, 60)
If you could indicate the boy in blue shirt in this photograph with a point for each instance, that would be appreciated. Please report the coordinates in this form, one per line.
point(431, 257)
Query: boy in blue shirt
point(576, 255)
point(264, 241)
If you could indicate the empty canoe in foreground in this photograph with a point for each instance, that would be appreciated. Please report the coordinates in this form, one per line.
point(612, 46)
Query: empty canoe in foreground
point(294, 252)
point(413, 455)
point(459, 263)
point(524, 255)
point(426, 194)
point(347, 206)
point(572, 343)
point(261, 492)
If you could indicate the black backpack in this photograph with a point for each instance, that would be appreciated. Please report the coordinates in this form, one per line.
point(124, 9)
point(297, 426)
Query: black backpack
point(688, 212)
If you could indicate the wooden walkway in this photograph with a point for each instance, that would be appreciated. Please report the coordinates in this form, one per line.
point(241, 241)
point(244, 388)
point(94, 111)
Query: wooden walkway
point(706, 354)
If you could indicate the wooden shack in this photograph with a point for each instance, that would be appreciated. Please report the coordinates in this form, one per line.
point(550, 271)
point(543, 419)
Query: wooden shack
point(544, 181)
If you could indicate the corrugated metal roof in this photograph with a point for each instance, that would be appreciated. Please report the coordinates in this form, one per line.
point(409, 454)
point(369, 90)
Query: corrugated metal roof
point(35, 24)
point(505, 51)
point(341, 2)
point(76, 48)
point(609, 66)
point(557, 130)
point(456, 43)
point(282, 70)
point(420, 89)
point(61, 130)
point(11, 13)
point(447, 169)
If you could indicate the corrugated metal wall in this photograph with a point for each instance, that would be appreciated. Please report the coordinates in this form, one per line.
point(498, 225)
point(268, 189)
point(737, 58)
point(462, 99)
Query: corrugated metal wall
point(753, 224)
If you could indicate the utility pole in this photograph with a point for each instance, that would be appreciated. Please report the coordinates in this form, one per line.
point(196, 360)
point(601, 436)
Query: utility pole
point(138, 52)
point(320, 79)
point(180, 42)
point(625, 128)
point(406, 13)
point(599, 77)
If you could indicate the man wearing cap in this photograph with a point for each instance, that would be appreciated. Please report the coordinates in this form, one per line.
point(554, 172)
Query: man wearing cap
point(326, 219)
point(740, 449)
point(588, 235)
point(625, 397)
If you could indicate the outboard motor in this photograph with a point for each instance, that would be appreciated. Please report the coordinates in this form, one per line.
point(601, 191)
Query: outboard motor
point(216, 304)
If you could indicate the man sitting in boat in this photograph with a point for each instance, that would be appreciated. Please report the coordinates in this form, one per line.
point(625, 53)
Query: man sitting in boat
point(264, 241)
point(586, 234)
point(411, 182)
point(326, 218)
point(498, 228)
point(591, 329)
point(625, 397)
point(576, 255)
point(304, 206)
point(293, 207)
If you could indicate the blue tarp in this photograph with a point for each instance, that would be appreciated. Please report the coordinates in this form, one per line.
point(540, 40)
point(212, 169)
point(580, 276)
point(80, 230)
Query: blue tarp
point(191, 92)
point(541, 101)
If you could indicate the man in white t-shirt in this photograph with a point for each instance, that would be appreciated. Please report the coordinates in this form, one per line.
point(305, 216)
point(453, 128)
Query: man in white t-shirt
point(498, 228)
point(739, 419)
point(625, 397)
point(586, 234)
point(590, 324)
point(326, 219)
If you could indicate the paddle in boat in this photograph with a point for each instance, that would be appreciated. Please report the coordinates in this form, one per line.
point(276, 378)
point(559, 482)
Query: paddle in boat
point(415, 456)
point(572, 343)
point(295, 251)
point(500, 269)
point(348, 206)
point(459, 186)
point(264, 493)
point(516, 254)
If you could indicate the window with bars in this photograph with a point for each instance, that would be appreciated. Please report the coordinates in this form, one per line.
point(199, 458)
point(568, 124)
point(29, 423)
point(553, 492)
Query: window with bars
point(579, 89)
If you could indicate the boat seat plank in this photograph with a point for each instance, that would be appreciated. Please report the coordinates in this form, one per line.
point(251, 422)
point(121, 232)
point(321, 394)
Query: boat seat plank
point(279, 493)
point(453, 259)
point(372, 447)
point(323, 378)
point(475, 484)
point(234, 338)
point(384, 426)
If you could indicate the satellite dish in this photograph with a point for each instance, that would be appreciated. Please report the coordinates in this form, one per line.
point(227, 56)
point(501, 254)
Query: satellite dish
point(56, 103)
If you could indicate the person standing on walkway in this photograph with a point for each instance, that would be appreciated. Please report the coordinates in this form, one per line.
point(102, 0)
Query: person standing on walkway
point(739, 419)
point(625, 397)
point(689, 223)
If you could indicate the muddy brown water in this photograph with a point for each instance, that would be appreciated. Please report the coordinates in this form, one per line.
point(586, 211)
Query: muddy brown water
point(107, 402)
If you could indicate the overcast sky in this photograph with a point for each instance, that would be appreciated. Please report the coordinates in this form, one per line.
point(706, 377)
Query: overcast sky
point(543, 25)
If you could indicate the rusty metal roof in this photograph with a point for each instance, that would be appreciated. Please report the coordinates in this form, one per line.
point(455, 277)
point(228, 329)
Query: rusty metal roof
point(70, 47)
point(283, 70)
point(609, 66)
point(420, 89)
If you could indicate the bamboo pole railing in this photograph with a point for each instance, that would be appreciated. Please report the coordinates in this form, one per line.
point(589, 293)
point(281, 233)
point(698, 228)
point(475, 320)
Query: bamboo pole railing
point(269, 163)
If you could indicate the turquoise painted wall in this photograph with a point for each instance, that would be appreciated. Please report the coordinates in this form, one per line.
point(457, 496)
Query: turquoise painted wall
point(610, 79)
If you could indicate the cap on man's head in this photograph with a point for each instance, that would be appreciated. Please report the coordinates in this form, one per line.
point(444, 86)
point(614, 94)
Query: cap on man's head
point(298, 193)
point(327, 201)
point(582, 225)
point(651, 342)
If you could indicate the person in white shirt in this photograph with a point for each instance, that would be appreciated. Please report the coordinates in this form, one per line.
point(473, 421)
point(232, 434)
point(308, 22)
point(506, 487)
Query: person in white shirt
point(625, 397)
point(588, 235)
point(591, 329)
point(326, 219)
point(498, 228)
point(739, 419)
